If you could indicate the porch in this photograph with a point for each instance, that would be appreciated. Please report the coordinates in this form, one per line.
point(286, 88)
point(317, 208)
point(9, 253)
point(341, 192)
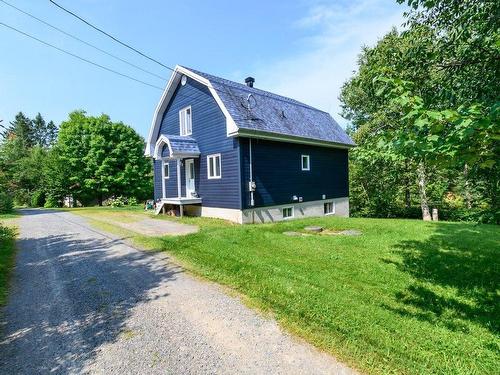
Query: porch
point(183, 150)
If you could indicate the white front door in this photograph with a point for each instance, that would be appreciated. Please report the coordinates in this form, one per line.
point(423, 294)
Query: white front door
point(189, 168)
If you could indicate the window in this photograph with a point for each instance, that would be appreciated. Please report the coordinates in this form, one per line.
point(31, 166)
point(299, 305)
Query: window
point(214, 166)
point(287, 212)
point(166, 170)
point(306, 163)
point(185, 118)
point(329, 208)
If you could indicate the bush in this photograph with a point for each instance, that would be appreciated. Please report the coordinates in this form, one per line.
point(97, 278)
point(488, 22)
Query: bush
point(51, 202)
point(132, 201)
point(6, 204)
point(38, 199)
point(117, 201)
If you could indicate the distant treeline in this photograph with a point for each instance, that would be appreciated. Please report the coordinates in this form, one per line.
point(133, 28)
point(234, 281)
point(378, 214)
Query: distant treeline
point(87, 158)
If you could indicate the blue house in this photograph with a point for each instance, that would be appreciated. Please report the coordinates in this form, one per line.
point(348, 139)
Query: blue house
point(229, 150)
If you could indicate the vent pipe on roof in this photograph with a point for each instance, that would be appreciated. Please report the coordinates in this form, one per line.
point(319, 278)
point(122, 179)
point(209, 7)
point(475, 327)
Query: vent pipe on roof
point(249, 81)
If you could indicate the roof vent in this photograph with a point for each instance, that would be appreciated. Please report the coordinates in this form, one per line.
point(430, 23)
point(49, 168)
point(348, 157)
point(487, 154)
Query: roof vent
point(249, 81)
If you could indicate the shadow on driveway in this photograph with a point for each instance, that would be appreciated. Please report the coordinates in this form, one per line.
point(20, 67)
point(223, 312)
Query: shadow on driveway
point(70, 294)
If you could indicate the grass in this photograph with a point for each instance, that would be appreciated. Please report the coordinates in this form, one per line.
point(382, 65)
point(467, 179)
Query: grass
point(404, 297)
point(7, 252)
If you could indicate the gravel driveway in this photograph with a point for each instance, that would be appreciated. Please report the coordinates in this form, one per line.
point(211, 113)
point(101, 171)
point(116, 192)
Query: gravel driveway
point(83, 301)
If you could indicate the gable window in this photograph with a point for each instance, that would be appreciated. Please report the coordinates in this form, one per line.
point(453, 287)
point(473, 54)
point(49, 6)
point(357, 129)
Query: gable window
point(329, 208)
point(166, 169)
point(287, 212)
point(214, 166)
point(306, 163)
point(185, 118)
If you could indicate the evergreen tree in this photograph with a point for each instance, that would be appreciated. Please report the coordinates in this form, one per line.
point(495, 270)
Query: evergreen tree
point(39, 130)
point(50, 134)
point(22, 129)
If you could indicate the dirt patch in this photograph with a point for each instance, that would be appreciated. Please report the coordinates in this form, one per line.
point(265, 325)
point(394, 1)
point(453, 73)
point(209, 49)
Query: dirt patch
point(324, 232)
point(152, 227)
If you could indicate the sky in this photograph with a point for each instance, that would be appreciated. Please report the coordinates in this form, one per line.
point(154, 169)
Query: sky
point(303, 49)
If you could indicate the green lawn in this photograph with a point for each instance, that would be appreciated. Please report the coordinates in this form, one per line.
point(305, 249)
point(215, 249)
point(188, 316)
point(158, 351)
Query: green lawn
point(404, 297)
point(7, 252)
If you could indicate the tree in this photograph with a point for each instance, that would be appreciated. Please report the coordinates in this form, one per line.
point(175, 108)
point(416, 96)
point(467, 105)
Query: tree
point(44, 134)
point(427, 98)
point(104, 158)
point(22, 129)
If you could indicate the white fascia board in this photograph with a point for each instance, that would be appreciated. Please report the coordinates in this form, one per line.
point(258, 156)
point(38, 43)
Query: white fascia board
point(247, 133)
point(160, 108)
point(167, 96)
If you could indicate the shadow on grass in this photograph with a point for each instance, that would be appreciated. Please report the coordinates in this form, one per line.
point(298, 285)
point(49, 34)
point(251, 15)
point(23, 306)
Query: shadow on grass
point(71, 295)
point(456, 272)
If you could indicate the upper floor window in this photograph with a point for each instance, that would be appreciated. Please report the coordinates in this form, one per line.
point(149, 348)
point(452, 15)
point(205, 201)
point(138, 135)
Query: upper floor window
point(306, 163)
point(214, 166)
point(185, 118)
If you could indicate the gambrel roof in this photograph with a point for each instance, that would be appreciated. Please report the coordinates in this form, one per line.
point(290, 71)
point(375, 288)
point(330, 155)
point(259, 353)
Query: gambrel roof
point(251, 112)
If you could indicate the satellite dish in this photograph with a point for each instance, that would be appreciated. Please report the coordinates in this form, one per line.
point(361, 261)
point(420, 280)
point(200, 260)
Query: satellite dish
point(249, 102)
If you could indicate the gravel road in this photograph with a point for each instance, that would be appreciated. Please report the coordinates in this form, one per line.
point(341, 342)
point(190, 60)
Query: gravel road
point(83, 301)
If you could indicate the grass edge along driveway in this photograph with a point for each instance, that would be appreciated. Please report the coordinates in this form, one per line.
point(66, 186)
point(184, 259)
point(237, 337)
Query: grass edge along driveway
point(404, 297)
point(7, 253)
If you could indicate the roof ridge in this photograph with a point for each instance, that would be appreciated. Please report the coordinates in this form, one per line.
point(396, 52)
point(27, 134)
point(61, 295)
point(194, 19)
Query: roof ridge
point(257, 90)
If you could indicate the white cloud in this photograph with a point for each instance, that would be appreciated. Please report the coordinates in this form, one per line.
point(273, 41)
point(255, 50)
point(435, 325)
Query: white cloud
point(315, 76)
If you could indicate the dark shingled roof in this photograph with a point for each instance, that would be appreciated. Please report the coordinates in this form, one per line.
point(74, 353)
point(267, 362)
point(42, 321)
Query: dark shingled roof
point(273, 113)
point(181, 145)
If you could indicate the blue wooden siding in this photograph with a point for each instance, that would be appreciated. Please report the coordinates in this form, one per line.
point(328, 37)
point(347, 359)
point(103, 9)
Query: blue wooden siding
point(209, 130)
point(278, 174)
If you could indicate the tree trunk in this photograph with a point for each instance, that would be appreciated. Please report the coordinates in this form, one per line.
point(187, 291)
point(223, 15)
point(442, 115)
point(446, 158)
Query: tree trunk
point(407, 186)
point(424, 204)
point(467, 194)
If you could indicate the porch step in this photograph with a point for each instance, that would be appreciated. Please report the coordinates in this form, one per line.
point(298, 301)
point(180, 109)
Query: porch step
point(159, 206)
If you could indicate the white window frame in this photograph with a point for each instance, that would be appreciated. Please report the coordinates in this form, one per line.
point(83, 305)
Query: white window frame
point(308, 158)
point(292, 210)
point(214, 157)
point(333, 208)
point(166, 164)
point(186, 128)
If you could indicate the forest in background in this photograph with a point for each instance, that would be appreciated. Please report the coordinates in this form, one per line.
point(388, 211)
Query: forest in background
point(89, 159)
point(423, 107)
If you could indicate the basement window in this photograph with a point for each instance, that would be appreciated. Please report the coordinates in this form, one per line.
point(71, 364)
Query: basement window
point(306, 163)
point(287, 212)
point(329, 208)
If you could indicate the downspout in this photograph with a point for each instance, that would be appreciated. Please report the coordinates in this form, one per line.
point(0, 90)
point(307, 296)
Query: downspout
point(252, 202)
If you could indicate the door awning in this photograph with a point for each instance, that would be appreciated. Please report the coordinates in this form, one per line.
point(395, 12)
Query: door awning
point(176, 147)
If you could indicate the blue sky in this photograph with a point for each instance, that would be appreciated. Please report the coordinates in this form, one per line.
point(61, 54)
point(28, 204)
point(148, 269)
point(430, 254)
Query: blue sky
point(304, 49)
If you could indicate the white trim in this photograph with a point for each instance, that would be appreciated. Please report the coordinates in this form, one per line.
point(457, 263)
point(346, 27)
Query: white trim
point(185, 109)
point(163, 178)
point(164, 140)
point(333, 208)
point(308, 158)
point(186, 163)
point(286, 208)
point(167, 95)
point(214, 156)
point(166, 164)
point(270, 136)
